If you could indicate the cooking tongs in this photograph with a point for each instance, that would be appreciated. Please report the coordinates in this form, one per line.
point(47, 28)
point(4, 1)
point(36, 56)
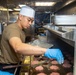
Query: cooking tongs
point(14, 66)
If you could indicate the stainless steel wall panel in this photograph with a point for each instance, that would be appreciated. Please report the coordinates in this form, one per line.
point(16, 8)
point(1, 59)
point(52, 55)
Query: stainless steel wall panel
point(65, 19)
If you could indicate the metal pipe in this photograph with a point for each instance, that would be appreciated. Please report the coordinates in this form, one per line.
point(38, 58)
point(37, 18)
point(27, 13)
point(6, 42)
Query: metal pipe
point(7, 11)
point(74, 71)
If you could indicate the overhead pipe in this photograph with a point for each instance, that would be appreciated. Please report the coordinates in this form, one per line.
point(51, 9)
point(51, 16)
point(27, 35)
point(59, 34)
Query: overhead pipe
point(7, 11)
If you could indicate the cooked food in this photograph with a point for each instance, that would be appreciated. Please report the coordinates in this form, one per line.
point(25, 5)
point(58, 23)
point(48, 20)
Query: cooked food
point(66, 61)
point(34, 62)
point(70, 73)
point(41, 74)
point(54, 67)
point(54, 73)
point(66, 65)
point(39, 68)
point(54, 62)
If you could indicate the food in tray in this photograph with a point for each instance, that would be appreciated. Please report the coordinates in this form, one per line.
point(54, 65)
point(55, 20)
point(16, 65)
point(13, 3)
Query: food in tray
point(70, 73)
point(67, 65)
point(54, 67)
point(34, 62)
point(39, 68)
point(54, 62)
point(66, 61)
point(41, 74)
point(55, 73)
point(51, 59)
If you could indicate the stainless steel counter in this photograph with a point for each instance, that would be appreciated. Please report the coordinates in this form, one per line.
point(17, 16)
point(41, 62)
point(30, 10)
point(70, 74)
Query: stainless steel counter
point(66, 33)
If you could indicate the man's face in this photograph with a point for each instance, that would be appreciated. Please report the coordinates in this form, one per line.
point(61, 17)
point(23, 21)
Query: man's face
point(26, 21)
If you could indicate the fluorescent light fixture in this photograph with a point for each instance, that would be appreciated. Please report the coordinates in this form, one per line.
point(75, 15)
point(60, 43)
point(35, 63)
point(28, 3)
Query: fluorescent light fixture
point(68, 2)
point(44, 3)
point(16, 9)
point(21, 5)
point(5, 9)
point(47, 11)
point(10, 10)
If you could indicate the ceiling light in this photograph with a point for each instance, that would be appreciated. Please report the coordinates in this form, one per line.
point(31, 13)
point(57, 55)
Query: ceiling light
point(47, 11)
point(21, 5)
point(44, 3)
point(16, 9)
point(5, 9)
point(68, 2)
point(10, 10)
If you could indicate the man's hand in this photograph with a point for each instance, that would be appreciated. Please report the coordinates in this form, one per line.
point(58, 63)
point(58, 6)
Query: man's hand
point(55, 54)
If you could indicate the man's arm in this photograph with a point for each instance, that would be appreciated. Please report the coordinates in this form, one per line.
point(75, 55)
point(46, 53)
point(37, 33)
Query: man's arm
point(27, 49)
point(24, 48)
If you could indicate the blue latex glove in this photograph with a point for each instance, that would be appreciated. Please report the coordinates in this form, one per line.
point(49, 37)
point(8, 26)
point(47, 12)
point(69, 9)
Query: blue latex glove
point(5, 73)
point(55, 54)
